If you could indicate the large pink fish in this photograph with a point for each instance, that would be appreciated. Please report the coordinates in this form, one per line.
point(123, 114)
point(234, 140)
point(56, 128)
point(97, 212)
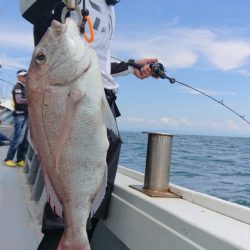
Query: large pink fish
point(69, 116)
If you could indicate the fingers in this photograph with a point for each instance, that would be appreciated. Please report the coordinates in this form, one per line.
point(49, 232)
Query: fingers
point(146, 71)
point(138, 73)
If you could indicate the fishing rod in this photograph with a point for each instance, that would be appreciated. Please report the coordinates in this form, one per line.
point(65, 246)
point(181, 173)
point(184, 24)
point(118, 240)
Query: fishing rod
point(158, 70)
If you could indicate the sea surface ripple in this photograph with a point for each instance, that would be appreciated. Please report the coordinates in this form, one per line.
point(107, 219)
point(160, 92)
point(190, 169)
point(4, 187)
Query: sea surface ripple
point(215, 165)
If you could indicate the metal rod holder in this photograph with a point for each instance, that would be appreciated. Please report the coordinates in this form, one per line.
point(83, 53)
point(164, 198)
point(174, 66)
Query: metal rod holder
point(157, 171)
point(158, 161)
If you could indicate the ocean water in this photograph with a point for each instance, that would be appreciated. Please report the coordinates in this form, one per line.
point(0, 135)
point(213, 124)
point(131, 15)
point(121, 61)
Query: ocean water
point(218, 166)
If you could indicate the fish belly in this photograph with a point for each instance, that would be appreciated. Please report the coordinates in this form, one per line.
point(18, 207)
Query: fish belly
point(82, 165)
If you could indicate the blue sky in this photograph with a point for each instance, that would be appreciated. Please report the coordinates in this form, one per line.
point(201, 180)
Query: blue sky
point(205, 44)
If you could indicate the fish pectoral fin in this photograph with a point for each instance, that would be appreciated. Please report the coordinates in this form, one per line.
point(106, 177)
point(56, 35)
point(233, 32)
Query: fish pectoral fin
point(108, 117)
point(75, 96)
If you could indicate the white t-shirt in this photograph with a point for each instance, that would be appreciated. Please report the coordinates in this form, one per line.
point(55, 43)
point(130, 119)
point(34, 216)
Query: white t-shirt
point(103, 20)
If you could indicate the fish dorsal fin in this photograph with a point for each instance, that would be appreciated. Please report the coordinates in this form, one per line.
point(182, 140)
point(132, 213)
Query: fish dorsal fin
point(74, 98)
point(108, 117)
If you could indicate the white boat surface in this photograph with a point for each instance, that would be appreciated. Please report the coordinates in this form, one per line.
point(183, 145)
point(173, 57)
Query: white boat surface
point(136, 221)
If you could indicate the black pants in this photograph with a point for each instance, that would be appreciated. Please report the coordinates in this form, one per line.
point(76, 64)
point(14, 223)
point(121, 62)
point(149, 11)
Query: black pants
point(53, 226)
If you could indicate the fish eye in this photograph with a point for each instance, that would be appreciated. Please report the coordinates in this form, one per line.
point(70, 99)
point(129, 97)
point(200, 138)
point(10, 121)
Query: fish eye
point(41, 58)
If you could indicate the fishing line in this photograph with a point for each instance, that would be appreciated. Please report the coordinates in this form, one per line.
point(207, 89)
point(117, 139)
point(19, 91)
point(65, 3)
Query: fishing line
point(158, 70)
point(214, 99)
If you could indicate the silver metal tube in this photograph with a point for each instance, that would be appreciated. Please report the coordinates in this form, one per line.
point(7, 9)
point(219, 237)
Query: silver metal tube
point(158, 162)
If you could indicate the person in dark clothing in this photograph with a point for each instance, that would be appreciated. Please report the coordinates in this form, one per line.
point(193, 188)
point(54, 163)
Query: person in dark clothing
point(40, 13)
point(19, 142)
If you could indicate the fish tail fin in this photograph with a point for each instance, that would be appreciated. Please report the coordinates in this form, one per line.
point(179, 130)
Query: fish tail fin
point(67, 243)
point(108, 116)
point(75, 235)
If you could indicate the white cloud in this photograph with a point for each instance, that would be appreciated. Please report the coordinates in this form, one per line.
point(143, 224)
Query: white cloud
point(11, 62)
point(179, 47)
point(184, 123)
point(206, 91)
point(136, 120)
point(181, 57)
point(243, 72)
point(175, 46)
point(17, 40)
point(180, 122)
point(214, 125)
point(228, 55)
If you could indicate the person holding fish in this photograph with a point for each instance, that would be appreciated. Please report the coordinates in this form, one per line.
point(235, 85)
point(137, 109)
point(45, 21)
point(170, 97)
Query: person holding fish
point(41, 13)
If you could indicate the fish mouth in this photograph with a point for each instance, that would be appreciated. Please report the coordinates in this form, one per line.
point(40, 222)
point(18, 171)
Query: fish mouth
point(57, 27)
point(85, 60)
point(60, 28)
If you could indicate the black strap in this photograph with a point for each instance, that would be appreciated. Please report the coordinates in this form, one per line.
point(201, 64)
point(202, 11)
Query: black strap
point(132, 63)
point(85, 12)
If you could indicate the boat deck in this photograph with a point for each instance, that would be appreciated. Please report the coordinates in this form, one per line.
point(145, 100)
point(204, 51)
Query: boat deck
point(18, 230)
point(136, 221)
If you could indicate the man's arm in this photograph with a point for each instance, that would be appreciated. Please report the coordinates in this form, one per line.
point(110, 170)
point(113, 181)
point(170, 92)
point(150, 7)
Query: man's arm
point(119, 69)
point(19, 99)
point(124, 68)
point(18, 96)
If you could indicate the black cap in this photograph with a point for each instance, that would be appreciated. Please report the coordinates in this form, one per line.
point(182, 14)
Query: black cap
point(21, 72)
